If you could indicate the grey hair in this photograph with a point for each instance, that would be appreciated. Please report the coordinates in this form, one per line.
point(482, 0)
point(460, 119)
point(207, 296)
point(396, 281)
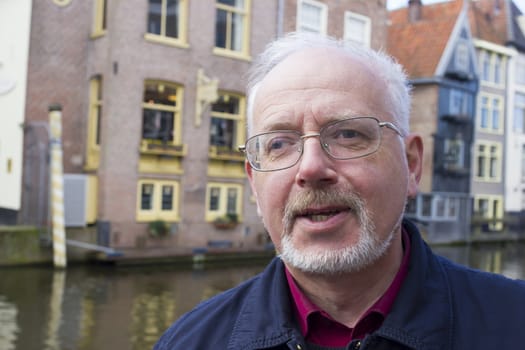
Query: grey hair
point(393, 74)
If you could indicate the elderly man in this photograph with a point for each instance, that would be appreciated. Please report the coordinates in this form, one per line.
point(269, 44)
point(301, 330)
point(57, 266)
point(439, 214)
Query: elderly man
point(331, 163)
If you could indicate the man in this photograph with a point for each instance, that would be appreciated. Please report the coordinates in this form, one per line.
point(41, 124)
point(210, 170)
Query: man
point(332, 164)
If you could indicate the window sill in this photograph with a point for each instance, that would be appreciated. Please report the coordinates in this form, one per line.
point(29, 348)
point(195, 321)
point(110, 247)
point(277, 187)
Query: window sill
point(217, 153)
point(232, 54)
point(97, 34)
point(159, 39)
point(163, 149)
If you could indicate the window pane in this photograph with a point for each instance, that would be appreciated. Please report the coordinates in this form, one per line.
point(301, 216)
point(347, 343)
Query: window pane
point(220, 28)
point(232, 201)
point(146, 199)
point(215, 193)
point(311, 16)
point(495, 114)
point(236, 35)
point(172, 18)
point(167, 197)
point(226, 104)
point(157, 125)
point(159, 93)
point(355, 30)
point(222, 132)
point(154, 16)
point(484, 113)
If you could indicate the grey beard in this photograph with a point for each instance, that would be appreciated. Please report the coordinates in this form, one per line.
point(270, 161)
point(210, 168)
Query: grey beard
point(364, 252)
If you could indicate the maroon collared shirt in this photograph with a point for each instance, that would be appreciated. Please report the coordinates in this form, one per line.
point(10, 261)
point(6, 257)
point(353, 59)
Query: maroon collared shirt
point(318, 327)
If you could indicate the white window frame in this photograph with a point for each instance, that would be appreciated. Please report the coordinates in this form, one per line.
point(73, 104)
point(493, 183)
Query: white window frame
point(323, 20)
point(461, 57)
point(491, 104)
point(351, 16)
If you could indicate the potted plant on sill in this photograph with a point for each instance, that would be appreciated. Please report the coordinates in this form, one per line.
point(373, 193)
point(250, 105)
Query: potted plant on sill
point(226, 221)
point(158, 228)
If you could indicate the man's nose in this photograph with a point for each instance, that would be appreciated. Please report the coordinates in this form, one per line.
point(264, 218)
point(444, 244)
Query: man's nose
point(315, 165)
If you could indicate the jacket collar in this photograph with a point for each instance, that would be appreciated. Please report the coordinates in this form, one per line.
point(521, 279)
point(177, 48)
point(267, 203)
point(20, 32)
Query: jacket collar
point(421, 314)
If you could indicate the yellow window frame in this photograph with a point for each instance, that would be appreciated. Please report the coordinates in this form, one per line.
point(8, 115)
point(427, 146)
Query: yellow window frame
point(223, 200)
point(239, 118)
point(94, 118)
point(156, 212)
point(99, 18)
point(494, 209)
point(162, 38)
point(175, 109)
point(244, 53)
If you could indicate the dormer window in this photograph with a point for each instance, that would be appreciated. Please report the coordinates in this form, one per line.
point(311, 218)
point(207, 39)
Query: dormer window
point(461, 58)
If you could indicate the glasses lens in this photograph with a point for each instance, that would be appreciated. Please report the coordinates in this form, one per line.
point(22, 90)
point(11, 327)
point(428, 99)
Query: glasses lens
point(351, 138)
point(274, 150)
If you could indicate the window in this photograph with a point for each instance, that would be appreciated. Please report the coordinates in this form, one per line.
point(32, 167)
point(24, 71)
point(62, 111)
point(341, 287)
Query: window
point(488, 161)
point(161, 113)
point(436, 207)
point(485, 66)
point(461, 58)
point(232, 26)
point(490, 113)
point(312, 16)
point(492, 68)
point(523, 163)
point(100, 18)
point(357, 29)
point(157, 199)
point(519, 113)
point(454, 153)
point(489, 207)
point(520, 70)
point(223, 199)
point(167, 21)
point(94, 123)
point(458, 102)
point(227, 122)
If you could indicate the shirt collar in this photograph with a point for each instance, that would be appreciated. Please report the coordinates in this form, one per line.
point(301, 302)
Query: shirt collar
point(304, 307)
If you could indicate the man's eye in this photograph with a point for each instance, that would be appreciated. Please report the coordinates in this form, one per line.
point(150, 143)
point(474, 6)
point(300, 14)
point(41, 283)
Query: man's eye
point(346, 134)
point(279, 144)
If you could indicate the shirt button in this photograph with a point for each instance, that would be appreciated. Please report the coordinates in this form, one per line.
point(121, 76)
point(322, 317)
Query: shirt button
point(299, 347)
point(357, 345)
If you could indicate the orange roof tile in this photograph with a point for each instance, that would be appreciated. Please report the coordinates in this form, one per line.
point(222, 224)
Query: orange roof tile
point(419, 45)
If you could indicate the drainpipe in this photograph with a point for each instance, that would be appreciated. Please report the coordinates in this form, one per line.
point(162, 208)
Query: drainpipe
point(280, 18)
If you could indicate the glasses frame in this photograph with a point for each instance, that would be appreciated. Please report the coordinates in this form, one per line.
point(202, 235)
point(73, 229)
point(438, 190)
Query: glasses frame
point(302, 137)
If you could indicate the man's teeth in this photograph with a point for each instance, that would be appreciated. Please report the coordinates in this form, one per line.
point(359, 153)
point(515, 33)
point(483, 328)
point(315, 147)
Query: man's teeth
point(321, 217)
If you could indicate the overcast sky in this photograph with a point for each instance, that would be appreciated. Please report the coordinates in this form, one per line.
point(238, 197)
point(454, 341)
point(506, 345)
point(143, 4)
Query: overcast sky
point(395, 4)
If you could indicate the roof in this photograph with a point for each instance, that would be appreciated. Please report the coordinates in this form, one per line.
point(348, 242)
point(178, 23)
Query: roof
point(419, 45)
point(497, 21)
point(488, 20)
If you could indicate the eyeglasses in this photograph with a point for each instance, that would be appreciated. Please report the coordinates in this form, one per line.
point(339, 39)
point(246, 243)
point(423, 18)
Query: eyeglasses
point(342, 139)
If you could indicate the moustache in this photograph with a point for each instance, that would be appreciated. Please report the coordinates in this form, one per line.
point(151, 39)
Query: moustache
point(318, 198)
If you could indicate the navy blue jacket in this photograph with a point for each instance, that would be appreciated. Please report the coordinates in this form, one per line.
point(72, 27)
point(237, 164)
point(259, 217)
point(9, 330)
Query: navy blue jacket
point(441, 305)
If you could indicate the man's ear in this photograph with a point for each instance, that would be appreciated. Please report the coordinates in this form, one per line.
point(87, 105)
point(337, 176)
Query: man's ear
point(249, 172)
point(414, 154)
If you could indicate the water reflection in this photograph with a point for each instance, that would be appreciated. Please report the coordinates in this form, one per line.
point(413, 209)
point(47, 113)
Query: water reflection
point(94, 307)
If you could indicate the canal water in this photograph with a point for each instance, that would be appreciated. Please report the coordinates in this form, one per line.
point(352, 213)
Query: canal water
point(103, 308)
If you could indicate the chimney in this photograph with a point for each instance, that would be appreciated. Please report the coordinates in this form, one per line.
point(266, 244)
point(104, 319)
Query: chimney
point(414, 10)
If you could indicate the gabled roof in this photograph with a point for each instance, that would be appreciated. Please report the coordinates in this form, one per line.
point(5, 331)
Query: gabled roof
point(420, 45)
point(497, 21)
point(488, 20)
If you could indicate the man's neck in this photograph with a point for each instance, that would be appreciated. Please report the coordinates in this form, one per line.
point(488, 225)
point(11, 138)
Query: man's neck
point(345, 297)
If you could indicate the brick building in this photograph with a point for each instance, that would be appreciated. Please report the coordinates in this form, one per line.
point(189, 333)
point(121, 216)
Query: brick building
point(153, 103)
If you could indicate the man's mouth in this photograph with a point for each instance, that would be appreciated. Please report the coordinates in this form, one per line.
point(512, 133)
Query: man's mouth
point(320, 215)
